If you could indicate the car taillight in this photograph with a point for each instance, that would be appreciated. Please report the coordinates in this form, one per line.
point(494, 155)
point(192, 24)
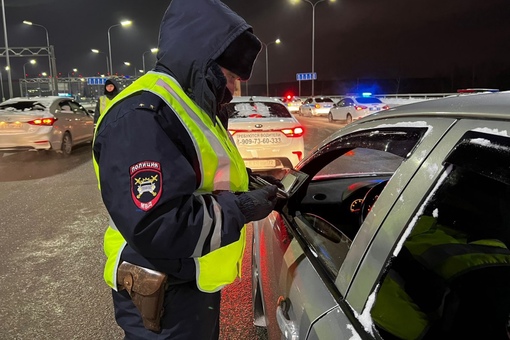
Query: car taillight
point(360, 107)
point(385, 107)
point(43, 121)
point(294, 132)
point(299, 154)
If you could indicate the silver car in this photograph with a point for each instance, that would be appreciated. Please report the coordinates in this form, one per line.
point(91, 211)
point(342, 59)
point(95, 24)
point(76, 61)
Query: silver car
point(316, 106)
point(44, 123)
point(397, 226)
point(355, 107)
point(267, 135)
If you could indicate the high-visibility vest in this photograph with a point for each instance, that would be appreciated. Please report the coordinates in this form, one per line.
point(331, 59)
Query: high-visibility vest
point(221, 167)
point(396, 312)
point(103, 103)
point(448, 253)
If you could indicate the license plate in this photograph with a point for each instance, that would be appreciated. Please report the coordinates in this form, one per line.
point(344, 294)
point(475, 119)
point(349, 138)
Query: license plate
point(13, 126)
point(256, 138)
point(260, 163)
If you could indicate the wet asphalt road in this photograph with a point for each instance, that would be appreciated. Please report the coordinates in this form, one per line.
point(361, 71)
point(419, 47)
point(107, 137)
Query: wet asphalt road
point(51, 259)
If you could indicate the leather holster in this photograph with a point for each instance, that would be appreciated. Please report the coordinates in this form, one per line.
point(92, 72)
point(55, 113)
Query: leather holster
point(146, 287)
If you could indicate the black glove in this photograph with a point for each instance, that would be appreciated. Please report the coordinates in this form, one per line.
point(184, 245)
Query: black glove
point(257, 204)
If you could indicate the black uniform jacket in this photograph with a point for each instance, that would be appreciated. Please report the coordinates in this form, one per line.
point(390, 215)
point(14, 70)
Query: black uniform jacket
point(141, 137)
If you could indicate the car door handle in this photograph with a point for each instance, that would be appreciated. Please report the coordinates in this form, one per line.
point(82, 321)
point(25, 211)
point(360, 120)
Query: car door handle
point(288, 327)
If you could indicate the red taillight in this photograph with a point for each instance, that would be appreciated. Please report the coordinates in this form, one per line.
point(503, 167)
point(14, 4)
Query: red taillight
point(299, 154)
point(385, 107)
point(43, 121)
point(294, 132)
point(360, 107)
point(232, 132)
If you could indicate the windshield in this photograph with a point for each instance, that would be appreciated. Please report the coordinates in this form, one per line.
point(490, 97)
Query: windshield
point(256, 110)
point(323, 100)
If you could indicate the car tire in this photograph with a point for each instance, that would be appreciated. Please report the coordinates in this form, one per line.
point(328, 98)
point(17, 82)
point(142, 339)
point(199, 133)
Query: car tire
point(330, 118)
point(348, 119)
point(67, 145)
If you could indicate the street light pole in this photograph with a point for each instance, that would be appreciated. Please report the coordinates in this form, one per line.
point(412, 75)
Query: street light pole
point(47, 44)
point(122, 23)
point(107, 63)
point(8, 68)
point(25, 75)
point(2, 83)
point(313, 37)
point(277, 41)
point(152, 50)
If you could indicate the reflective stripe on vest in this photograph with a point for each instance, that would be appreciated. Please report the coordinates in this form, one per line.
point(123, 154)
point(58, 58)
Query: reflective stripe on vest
point(450, 256)
point(222, 168)
point(395, 311)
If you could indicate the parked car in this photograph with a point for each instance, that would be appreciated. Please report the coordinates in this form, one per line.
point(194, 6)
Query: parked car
point(400, 230)
point(293, 103)
point(355, 107)
point(316, 106)
point(266, 134)
point(44, 123)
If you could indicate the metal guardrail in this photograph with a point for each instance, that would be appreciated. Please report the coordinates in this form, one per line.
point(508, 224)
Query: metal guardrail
point(416, 95)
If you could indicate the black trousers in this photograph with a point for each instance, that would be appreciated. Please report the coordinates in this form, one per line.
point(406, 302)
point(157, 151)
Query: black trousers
point(188, 314)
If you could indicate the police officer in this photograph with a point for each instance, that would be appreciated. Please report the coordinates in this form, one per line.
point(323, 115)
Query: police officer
point(111, 89)
point(172, 180)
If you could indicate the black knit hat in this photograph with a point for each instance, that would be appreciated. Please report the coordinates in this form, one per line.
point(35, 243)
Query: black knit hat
point(240, 55)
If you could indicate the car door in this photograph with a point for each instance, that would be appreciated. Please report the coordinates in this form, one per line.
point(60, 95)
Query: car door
point(61, 109)
point(84, 128)
point(339, 110)
point(473, 146)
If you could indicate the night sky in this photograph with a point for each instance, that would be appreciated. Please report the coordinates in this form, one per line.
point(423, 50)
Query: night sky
point(353, 38)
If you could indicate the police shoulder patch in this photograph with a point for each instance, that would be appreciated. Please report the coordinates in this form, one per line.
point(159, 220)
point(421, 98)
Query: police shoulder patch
point(146, 179)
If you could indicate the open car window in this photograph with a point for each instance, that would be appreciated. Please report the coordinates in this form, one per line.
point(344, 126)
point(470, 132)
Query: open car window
point(331, 207)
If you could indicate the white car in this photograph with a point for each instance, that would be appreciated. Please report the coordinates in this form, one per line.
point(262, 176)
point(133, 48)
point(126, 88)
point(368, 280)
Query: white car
point(355, 107)
point(44, 123)
point(267, 135)
point(316, 106)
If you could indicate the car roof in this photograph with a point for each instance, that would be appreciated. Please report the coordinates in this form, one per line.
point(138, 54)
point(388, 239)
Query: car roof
point(240, 99)
point(480, 105)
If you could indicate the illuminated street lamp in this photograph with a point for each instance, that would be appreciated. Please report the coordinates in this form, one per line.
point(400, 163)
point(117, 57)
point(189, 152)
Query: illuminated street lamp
point(313, 32)
point(107, 63)
point(32, 61)
point(47, 42)
point(277, 41)
point(152, 50)
point(124, 23)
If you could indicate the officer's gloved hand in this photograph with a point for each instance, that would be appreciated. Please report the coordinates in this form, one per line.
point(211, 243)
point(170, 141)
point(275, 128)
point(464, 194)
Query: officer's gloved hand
point(257, 204)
